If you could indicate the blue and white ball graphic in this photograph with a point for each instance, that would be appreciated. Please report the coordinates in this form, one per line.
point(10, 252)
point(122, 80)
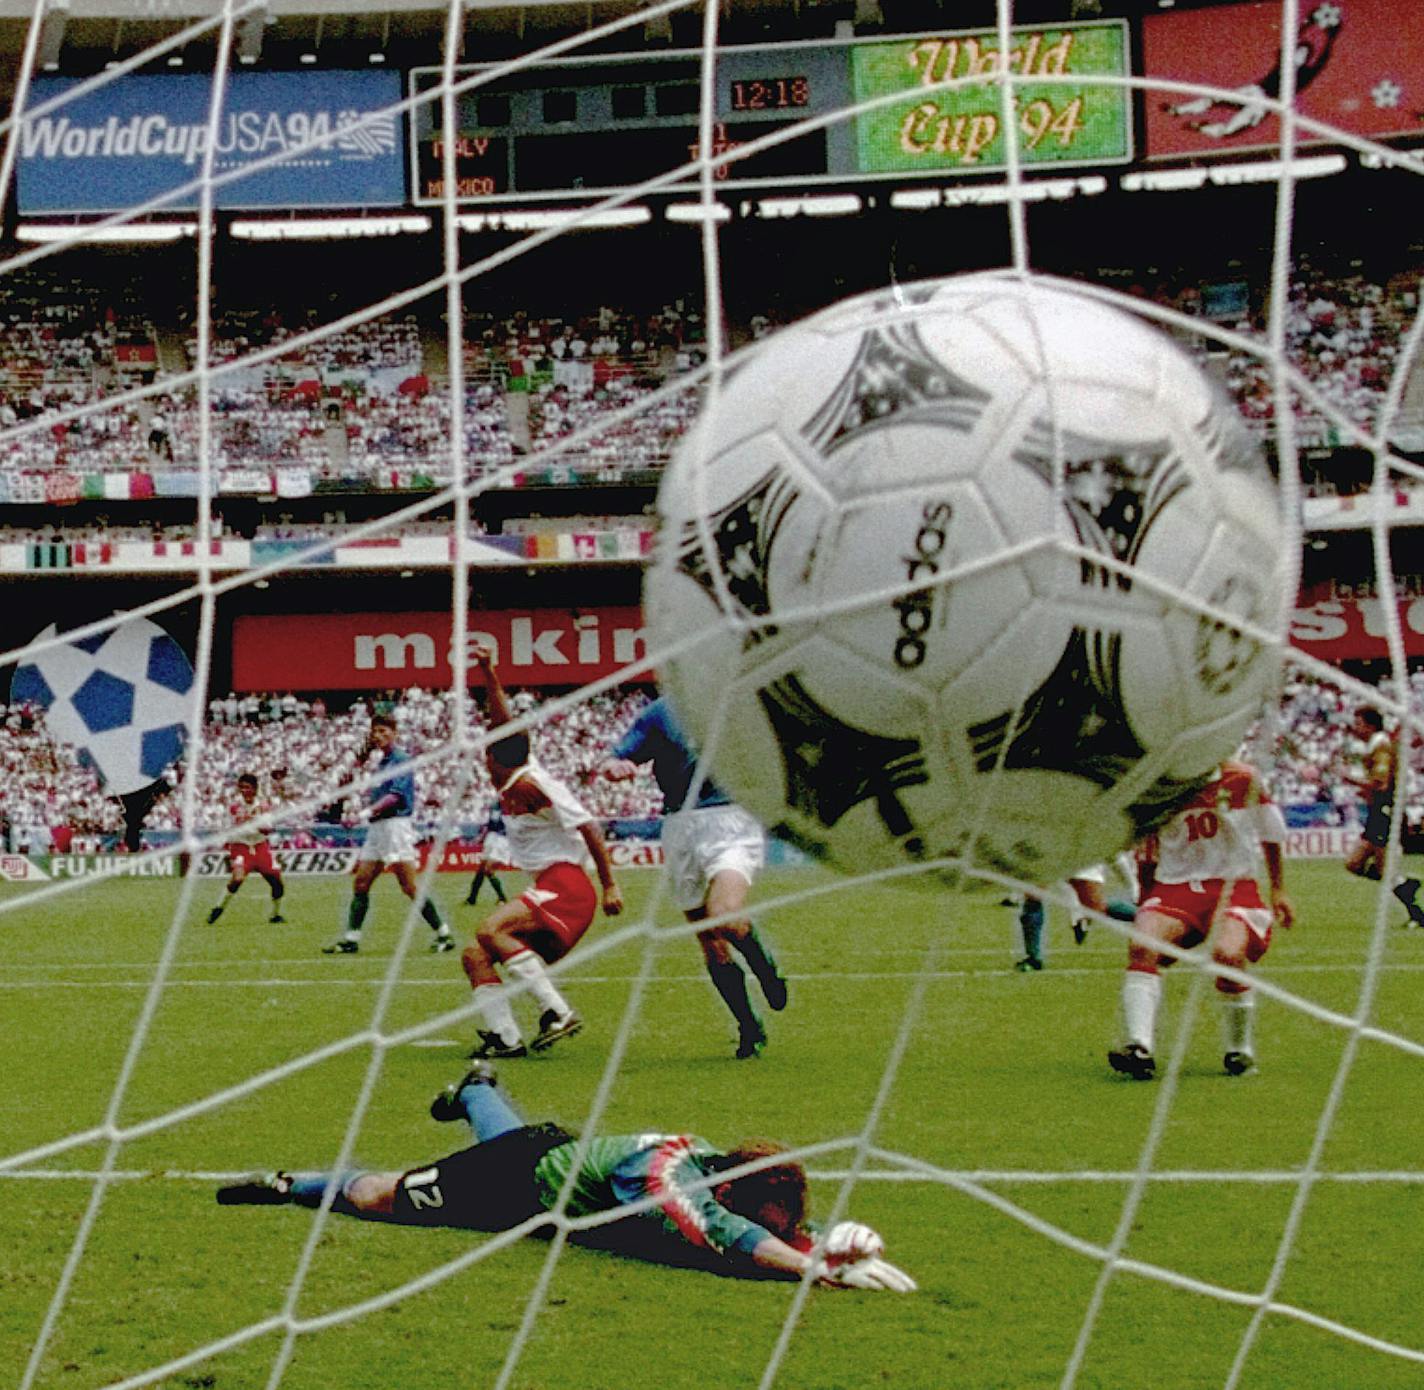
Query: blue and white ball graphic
point(121, 698)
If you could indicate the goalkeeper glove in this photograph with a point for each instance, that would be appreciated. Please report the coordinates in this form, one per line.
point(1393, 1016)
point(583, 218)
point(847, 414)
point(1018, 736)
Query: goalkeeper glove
point(872, 1273)
point(848, 1241)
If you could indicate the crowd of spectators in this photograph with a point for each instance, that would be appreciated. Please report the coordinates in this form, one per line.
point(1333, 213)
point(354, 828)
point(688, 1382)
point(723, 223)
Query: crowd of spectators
point(640, 340)
point(305, 751)
point(1309, 747)
point(354, 409)
point(66, 344)
point(364, 403)
point(48, 788)
point(1343, 332)
point(384, 344)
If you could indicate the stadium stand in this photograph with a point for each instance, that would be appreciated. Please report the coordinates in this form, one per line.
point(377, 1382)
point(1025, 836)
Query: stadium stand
point(368, 407)
point(307, 745)
point(314, 745)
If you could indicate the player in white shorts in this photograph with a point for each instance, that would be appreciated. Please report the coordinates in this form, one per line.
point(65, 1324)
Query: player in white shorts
point(390, 842)
point(701, 842)
point(554, 838)
point(1199, 883)
point(713, 850)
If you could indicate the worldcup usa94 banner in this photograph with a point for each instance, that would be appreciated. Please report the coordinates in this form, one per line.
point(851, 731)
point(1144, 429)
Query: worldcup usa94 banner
point(138, 137)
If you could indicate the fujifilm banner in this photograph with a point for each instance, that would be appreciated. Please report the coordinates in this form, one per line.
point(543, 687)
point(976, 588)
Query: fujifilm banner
point(137, 137)
point(208, 863)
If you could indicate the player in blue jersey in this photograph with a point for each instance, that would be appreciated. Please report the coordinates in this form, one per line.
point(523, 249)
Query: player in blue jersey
point(390, 841)
point(740, 1212)
point(713, 849)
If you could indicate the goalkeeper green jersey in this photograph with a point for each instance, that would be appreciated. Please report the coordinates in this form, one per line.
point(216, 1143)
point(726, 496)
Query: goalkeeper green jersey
point(662, 1168)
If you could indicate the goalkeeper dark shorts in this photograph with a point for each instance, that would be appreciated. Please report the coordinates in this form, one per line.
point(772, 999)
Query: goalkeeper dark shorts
point(487, 1187)
point(1377, 820)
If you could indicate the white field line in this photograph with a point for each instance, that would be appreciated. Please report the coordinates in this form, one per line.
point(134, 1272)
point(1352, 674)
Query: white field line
point(1005, 1176)
point(1003, 974)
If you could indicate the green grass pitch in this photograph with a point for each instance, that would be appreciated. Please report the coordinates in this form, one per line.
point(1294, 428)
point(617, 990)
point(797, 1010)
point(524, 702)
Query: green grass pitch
point(1002, 1076)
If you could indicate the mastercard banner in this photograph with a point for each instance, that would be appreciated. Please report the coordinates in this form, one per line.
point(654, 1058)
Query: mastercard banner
point(1359, 66)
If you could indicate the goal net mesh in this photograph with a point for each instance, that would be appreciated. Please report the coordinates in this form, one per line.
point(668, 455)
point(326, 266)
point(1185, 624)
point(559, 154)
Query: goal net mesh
point(123, 1146)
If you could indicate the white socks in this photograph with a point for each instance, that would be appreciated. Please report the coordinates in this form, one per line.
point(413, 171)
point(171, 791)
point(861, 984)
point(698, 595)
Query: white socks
point(493, 1004)
point(526, 967)
point(493, 1000)
point(1238, 1012)
point(1141, 994)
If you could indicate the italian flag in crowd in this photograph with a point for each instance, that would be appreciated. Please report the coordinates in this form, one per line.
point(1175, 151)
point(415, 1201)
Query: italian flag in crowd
point(118, 486)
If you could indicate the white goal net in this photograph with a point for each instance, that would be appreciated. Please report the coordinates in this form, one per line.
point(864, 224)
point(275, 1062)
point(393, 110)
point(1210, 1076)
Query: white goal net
point(1321, 357)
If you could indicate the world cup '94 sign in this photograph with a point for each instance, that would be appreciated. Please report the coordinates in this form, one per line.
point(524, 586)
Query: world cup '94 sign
point(972, 562)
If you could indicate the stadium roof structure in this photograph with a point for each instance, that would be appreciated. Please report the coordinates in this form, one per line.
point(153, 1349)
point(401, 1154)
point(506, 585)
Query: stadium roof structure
point(337, 32)
point(82, 35)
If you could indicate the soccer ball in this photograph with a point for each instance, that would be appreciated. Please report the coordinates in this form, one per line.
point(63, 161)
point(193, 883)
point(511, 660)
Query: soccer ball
point(120, 697)
point(983, 571)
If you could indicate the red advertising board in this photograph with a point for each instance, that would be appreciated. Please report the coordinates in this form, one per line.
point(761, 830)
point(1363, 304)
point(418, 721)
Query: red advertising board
point(1336, 627)
point(466, 858)
point(560, 646)
point(1359, 67)
point(378, 651)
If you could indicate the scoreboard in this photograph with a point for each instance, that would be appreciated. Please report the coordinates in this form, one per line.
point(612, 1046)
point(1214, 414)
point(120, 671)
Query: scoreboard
point(592, 126)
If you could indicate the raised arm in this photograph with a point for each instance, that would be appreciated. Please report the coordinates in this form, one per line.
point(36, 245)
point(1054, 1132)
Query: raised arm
point(499, 711)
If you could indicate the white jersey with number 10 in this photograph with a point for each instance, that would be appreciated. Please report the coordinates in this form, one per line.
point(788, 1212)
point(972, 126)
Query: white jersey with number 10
point(1218, 833)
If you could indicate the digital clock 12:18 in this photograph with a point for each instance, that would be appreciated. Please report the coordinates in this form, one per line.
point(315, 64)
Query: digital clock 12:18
point(770, 93)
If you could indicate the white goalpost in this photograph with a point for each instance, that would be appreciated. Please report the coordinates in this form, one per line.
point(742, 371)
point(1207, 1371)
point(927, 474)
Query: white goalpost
point(99, 1158)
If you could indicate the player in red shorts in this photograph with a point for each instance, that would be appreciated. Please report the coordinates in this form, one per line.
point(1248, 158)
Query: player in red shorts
point(553, 837)
point(249, 850)
point(1199, 883)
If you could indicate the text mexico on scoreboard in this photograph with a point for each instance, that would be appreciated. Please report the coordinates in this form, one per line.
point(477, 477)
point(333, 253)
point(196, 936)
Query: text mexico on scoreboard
point(599, 124)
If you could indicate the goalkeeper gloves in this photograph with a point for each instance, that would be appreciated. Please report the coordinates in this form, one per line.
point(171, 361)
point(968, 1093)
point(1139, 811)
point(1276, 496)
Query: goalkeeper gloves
point(852, 1253)
point(872, 1273)
point(848, 1241)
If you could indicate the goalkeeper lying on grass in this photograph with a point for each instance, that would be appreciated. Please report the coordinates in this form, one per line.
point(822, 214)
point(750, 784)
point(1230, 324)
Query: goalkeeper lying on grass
point(682, 1210)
